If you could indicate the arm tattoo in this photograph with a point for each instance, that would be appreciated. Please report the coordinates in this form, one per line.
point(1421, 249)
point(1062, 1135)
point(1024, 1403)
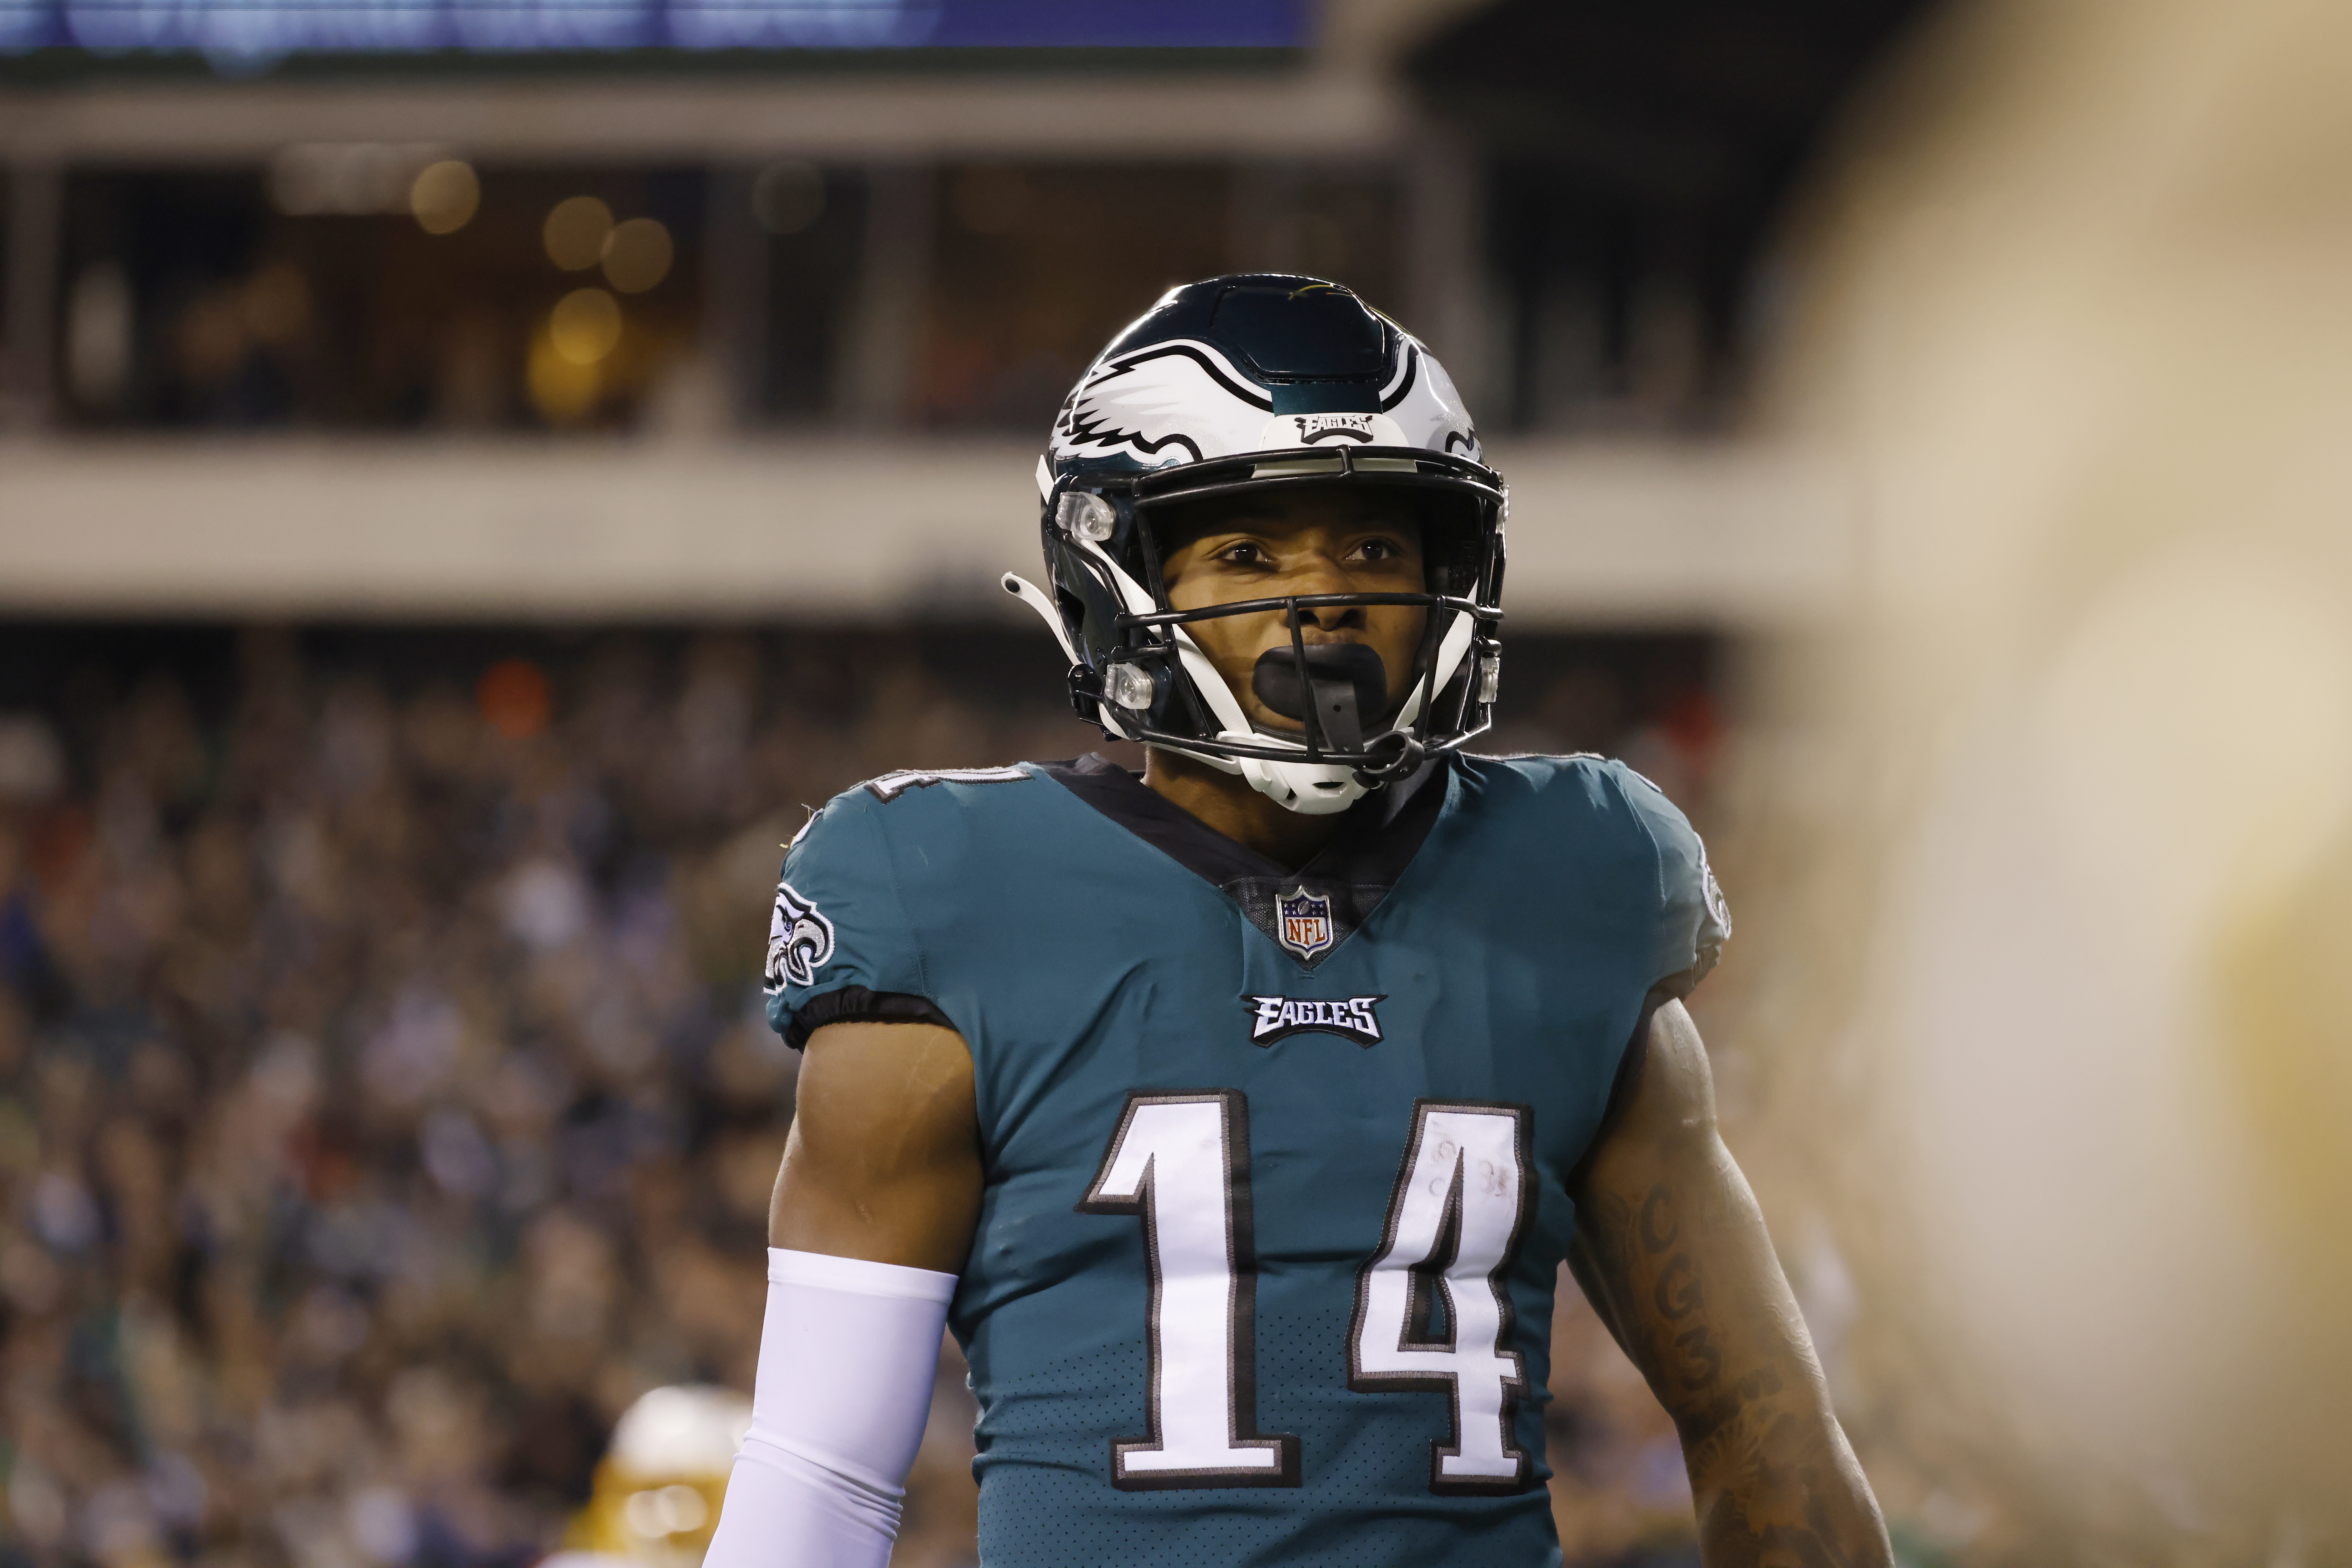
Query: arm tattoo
point(1678, 1293)
point(1683, 1344)
point(1809, 1539)
point(1612, 1234)
point(1702, 1362)
point(1659, 1225)
point(1672, 1248)
point(1751, 1439)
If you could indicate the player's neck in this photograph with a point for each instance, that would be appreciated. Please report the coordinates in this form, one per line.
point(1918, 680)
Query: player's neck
point(1224, 801)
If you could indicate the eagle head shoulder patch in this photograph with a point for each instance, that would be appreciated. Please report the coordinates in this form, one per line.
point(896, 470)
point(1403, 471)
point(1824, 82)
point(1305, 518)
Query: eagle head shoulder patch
point(800, 940)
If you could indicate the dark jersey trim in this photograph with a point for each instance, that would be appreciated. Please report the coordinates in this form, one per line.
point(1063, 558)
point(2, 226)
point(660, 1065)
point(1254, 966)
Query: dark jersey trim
point(856, 1005)
point(1677, 986)
point(1379, 836)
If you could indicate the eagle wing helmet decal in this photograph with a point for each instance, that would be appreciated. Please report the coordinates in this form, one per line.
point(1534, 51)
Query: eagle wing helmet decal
point(1170, 402)
point(1183, 401)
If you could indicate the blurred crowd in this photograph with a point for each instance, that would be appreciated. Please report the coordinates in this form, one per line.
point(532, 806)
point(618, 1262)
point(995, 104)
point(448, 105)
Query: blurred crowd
point(384, 1102)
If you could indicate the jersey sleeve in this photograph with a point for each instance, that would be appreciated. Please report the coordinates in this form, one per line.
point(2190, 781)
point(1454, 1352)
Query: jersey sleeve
point(840, 945)
point(1693, 921)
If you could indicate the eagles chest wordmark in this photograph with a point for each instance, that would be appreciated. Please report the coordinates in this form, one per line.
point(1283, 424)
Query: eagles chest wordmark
point(1353, 1018)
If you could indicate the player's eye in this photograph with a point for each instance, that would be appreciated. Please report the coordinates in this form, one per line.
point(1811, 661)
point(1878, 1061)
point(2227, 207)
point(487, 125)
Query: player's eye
point(1243, 553)
point(1380, 549)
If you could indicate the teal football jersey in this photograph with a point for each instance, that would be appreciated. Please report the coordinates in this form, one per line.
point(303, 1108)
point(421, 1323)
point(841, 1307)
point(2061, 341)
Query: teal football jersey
point(1278, 1162)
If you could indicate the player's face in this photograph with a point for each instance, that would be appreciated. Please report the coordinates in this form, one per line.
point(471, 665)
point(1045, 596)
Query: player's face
point(1304, 541)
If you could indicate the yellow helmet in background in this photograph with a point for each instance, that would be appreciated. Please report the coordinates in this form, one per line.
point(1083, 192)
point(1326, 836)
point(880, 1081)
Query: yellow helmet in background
point(660, 1482)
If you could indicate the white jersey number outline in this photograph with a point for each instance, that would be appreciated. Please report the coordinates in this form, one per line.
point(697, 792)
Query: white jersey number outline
point(1180, 1159)
point(1456, 1220)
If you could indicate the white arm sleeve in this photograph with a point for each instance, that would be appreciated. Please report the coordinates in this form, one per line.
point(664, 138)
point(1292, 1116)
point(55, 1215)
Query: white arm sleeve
point(847, 1359)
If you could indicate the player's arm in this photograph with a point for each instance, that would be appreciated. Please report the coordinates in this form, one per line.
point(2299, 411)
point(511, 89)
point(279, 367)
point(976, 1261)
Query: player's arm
point(883, 1159)
point(1671, 1248)
point(872, 1217)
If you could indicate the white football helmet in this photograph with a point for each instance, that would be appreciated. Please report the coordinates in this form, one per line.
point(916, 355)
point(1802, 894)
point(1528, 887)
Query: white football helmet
point(1244, 384)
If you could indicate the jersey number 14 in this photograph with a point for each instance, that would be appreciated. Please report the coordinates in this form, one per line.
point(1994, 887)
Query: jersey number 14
point(1180, 1161)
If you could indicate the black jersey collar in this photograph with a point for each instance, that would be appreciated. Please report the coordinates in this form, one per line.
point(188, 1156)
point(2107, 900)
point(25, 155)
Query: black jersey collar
point(1377, 837)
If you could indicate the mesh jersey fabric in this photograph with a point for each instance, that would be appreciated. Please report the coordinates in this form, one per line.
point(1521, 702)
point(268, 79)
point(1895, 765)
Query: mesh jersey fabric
point(1092, 967)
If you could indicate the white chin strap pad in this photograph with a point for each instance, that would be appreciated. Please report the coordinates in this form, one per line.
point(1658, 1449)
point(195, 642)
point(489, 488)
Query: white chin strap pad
point(1317, 790)
point(1310, 789)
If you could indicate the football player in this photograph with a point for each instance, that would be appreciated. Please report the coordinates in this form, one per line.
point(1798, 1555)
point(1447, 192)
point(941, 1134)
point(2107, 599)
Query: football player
point(1237, 1117)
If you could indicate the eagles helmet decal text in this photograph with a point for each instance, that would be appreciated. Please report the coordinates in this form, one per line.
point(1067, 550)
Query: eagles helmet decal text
point(1331, 430)
point(1304, 922)
point(1277, 1017)
point(800, 940)
point(1183, 401)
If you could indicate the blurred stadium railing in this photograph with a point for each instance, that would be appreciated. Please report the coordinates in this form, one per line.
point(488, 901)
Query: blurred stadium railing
point(832, 298)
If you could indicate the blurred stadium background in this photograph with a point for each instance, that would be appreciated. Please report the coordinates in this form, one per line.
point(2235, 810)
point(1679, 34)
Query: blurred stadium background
point(472, 472)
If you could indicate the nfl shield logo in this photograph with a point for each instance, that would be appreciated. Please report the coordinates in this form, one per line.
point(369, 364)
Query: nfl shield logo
point(1305, 921)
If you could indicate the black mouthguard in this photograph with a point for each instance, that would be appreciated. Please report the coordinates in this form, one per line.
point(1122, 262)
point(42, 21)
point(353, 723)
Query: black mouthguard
point(1348, 681)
